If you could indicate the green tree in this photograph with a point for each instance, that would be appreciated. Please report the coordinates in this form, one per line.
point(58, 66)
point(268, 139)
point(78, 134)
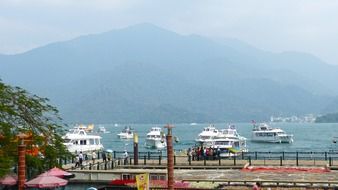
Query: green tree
point(22, 112)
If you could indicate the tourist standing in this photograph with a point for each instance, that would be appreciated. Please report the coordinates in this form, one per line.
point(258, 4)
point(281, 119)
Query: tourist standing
point(93, 156)
point(80, 158)
point(104, 158)
point(256, 186)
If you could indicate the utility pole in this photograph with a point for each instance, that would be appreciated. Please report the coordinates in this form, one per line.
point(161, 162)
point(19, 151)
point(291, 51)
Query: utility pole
point(170, 156)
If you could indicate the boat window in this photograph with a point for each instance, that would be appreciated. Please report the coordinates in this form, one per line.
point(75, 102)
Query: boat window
point(83, 142)
point(67, 140)
point(91, 141)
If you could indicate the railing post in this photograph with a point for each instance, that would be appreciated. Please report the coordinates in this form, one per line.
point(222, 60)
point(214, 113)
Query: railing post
point(249, 160)
point(98, 165)
point(130, 159)
point(283, 155)
point(297, 159)
point(114, 154)
point(256, 156)
point(281, 161)
point(98, 155)
point(205, 161)
point(145, 160)
point(330, 161)
point(189, 160)
point(242, 155)
point(219, 160)
point(325, 155)
point(105, 165)
point(234, 160)
point(112, 164)
point(159, 159)
point(90, 166)
point(148, 155)
point(174, 160)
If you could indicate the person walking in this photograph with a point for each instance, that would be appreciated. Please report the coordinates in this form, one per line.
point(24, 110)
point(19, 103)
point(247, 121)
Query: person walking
point(77, 161)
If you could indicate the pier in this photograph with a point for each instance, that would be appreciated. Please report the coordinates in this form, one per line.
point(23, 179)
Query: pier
point(223, 171)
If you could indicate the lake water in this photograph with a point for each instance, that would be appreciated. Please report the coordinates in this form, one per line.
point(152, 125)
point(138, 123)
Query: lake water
point(307, 136)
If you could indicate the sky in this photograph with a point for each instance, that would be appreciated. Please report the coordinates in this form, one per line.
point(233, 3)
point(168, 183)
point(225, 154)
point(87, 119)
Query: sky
point(281, 25)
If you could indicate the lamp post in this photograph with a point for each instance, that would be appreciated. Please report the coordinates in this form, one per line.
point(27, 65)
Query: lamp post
point(22, 161)
point(135, 149)
point(170, 156)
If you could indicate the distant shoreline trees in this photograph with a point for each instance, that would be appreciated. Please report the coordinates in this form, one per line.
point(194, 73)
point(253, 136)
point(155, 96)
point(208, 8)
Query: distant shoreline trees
point(328, 118)
point(24, 113)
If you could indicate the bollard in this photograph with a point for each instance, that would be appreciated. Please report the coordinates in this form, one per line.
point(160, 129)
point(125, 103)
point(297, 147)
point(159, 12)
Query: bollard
point(145, 160)
point(249, 160)
point(281, 161)
point(234, 160)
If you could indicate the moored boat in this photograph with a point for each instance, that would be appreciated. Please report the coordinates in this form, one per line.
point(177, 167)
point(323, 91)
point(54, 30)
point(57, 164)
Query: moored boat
point(156, 138)
point(126, 133)
point(207, 136)
point(229, 142)
point(265, 133)
point(78, 140)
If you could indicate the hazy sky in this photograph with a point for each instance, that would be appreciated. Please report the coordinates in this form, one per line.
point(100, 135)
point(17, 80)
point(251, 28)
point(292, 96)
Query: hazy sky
point(275, 25)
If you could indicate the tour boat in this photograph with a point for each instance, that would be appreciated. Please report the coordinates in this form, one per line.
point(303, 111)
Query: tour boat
point(156, 138)
point(208, 135)
point(264, 133)
point(102, 129)
point(78, 140)
point(229, 142)
point(126, 133)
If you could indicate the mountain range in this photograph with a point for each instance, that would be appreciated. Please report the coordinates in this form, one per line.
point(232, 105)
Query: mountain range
point(147, 74)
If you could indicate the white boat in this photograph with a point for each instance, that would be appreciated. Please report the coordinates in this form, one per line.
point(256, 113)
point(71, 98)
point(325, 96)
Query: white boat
point(156, 138)
point(87, 128)
point(208, 135)
point(102, 129)
point(78, 140)
point(264, 133)
point(126, 133)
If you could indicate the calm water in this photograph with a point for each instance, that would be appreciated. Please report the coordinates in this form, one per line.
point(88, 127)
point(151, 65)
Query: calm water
point(307, 136)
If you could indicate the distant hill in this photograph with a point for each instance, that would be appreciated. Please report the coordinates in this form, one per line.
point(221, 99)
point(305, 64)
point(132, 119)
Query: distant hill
point(146, 74)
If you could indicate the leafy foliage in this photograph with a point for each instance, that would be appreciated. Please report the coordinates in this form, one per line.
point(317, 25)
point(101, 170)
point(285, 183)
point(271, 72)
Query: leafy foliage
point(24, 113)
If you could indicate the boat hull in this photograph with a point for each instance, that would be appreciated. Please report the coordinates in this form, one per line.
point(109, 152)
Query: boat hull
point(155, 143)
